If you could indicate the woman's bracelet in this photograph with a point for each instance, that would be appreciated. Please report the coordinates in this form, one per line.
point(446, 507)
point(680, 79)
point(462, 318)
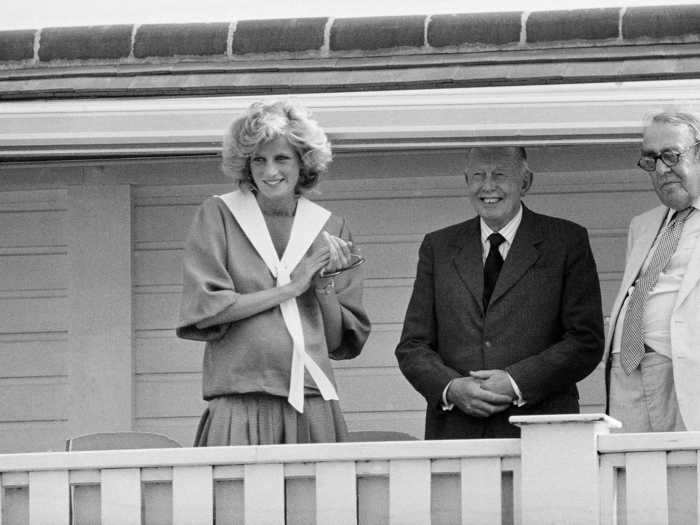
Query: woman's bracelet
point(327, 288)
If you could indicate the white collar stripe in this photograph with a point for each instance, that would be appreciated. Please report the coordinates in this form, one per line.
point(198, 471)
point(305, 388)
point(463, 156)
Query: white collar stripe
point(308, 222)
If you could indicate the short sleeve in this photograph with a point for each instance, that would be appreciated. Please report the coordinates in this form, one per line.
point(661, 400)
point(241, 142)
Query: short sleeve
point(207, 285)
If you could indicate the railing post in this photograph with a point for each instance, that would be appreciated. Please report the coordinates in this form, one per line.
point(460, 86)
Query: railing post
point(559, 467)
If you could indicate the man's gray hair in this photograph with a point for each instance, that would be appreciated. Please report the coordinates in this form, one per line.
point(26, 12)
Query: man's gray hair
point(518, 152)
point(677, 118)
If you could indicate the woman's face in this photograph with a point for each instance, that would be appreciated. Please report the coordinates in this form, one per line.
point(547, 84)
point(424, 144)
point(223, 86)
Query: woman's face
point(275, 169)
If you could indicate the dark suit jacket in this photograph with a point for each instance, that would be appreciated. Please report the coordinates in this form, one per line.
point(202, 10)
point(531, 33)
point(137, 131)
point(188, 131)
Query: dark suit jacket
point(544, 324)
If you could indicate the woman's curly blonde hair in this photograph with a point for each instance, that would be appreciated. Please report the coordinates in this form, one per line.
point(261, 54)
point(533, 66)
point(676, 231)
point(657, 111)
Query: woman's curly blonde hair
point(265, 122)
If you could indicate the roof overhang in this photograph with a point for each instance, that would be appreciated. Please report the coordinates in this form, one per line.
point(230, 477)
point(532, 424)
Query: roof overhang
point(359, 121)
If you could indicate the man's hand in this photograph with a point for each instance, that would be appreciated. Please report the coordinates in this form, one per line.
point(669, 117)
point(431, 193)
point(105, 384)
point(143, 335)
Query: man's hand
point(496, 381)
point(468, 395)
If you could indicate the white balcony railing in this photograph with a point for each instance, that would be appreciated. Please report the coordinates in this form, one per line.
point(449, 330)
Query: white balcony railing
point(565, 469)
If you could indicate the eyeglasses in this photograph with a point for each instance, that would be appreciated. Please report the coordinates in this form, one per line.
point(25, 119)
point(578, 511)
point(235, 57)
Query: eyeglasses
point(669, 157)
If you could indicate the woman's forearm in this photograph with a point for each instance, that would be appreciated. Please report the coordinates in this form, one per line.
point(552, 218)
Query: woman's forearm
point(249, 304)
point(332, 316)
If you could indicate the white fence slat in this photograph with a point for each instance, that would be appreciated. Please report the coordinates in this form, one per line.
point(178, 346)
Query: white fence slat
point(49, 498)
point(193, 495)
point(120, 497)
point(409, 492)
point(646, 488)
point(607, 476)
point(263, 494)
point(517, 495)
point(481, 491)
point(336, 493)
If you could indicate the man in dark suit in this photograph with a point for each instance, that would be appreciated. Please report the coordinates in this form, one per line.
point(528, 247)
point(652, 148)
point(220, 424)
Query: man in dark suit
point(505, 315)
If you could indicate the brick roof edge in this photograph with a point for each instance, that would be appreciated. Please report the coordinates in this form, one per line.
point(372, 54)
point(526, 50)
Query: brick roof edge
point(371, 36)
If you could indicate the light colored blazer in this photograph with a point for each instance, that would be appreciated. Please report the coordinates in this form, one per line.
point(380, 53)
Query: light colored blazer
point(685, 319)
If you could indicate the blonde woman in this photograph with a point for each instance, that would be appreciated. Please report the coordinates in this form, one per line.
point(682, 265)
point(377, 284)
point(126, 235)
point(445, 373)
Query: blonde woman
point(271, 284)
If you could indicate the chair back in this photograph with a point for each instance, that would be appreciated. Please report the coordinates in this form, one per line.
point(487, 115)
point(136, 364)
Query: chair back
point(380, 435)
point(119, 440)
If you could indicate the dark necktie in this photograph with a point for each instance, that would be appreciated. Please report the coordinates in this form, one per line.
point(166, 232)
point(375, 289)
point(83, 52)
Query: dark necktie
point(632, 346)
point(492, 266)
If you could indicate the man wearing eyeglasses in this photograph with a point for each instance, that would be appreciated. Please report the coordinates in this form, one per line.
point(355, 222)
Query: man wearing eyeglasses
point(653, 345)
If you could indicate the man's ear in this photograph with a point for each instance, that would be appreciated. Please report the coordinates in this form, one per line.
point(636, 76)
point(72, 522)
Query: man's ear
point(696, 147)
point(526, 182)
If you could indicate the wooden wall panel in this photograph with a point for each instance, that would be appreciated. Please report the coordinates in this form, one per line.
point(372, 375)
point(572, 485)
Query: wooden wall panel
point(32, 436)
point(33, 323)
point(156, 310)
point(100, 243)
point(595, 211)
point(376, 390)
point(33, 399)
point(160, 352)
point(37, 355)
point(42, 312)
point(157, 266)
point(32, 228)
point(378, 351)
point(391, 199)
point(36, 271)
point(169, 395)
point(163, 223)
point(609, 250)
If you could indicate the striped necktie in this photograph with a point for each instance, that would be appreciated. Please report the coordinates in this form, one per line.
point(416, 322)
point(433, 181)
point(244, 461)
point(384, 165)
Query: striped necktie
point(632, 350)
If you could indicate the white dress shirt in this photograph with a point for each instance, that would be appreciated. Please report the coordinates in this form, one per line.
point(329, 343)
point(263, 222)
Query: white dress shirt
point(508, 232)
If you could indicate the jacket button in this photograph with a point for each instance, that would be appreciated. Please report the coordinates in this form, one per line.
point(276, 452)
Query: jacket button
point(487, 344)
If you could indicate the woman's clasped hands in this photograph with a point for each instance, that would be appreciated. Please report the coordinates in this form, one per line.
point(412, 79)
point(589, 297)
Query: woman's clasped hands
point(332, 256)
point(340, 253)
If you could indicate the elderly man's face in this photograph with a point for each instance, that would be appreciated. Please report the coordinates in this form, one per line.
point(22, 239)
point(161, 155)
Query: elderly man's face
point(496, 181)
point(679, 185)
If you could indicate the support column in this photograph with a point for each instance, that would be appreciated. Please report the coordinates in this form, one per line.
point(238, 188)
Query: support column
point(101, 331)
point(559, 467)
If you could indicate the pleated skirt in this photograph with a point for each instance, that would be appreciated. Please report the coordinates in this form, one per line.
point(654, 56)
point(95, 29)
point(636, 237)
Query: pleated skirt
point(261, 419)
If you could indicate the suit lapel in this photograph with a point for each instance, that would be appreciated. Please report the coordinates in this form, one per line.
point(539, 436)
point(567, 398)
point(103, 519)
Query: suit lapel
point(642, 237)
point(692, 274)
point(467, 259)
point(522, 254)
point(642, 245)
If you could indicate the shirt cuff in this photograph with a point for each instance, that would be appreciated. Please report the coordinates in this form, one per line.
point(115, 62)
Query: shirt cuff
point(518, 401)
point(446, 407)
